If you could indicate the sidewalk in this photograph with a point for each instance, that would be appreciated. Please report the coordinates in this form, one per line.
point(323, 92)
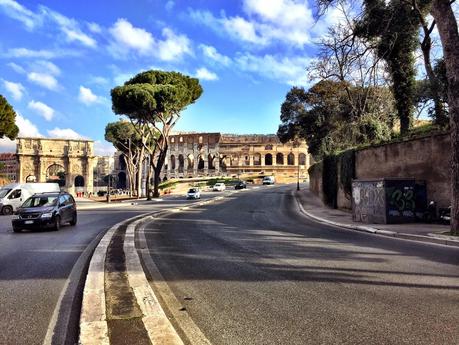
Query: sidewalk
point(313, 207)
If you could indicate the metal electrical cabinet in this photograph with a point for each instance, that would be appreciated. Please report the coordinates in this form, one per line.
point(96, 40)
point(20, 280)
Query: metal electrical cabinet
point(388, 200)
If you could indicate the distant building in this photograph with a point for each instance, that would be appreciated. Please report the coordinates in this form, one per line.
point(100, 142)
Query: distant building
point(216, 154)
point(103, 166)
point(8, 166)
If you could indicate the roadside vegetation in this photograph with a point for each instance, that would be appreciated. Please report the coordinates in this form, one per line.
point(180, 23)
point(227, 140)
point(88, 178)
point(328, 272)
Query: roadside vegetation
point(367, 89)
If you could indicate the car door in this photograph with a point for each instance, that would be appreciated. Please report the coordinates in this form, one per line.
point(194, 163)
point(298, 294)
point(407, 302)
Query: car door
point(63, 208)
point(15, 198)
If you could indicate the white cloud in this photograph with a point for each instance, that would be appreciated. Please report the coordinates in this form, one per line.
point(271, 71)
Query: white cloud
point(42, 66)
point(103, 148)
point(43, 79)
point(16, 11)
point(174, 46)
point(26, 129)
point(265, 22)
point(15, 89)
point(287, 70)
point(87, 97)
point(212, 53)
point(99, 80)
point(204, 74)
point(94, 27)
point(64, 133)
point(41, 53)
point(17, 68)
point(128, 38)
point(42, 109)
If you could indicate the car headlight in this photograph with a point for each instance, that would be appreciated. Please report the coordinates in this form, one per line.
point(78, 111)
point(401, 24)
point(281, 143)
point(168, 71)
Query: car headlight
point(47, 215)
point(15, 216)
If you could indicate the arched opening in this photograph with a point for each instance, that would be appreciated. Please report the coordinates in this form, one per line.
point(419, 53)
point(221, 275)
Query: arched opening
point(223, 163)
point(211, 159)
point(280, 159)
point(190, 162)
point(79, 181)
point(172, 162)
point(122, 162)
point(247, 160)
point(291, 159)
point(302, 159)
point(200, 163)
point(234, 161)
point(56, 173)
point(257, 159)
point(181, 163)
point(121, 184)
point(268, 159)
point(31, 178)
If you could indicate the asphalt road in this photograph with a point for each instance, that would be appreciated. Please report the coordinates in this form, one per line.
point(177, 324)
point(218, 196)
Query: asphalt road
point(250, 269)
point(35, 267)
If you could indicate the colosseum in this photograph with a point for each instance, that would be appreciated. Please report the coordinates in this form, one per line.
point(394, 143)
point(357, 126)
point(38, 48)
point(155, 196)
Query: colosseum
point(216, 154)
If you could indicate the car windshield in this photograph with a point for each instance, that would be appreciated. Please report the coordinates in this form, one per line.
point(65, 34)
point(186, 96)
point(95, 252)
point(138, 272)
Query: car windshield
point(192, 190)
point(4, 192)
point(40, 201)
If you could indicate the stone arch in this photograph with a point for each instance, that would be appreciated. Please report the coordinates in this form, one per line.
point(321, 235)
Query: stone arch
point(291, 159)
point(121, 183)
point(234, 160)
point(211, 160)
point(181, 164)
point(56, 173)
point(302, 159)
point(122, 162)
point(257, 159)
point(190, 161)
point(200, 163)
point(172, 162)
point(268, 159)
point(79, 181)
point(224, 163)
point(280, 158)
point(246, 160)
point(31, 178)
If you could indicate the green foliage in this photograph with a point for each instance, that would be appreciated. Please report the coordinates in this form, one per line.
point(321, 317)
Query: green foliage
point(346, 167)
point(324, 118)
point(8, 126)
point(393, 28)
point(330, 180)
point(153, 93)
point(122, 135)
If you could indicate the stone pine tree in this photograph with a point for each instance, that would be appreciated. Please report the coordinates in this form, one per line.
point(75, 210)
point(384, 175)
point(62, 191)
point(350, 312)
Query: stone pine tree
point(156, 98)
point(8, 126)
point(124, 138)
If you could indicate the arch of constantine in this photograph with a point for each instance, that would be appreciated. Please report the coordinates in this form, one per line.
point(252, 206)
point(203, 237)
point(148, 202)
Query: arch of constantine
point(67, 162)
point(215, 154)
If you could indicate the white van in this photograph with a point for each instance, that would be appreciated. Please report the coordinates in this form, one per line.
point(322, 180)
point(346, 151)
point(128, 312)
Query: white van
point(14, 194)
point(269, 180)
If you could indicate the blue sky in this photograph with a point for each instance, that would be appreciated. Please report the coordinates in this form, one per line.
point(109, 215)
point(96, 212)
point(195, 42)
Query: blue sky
point(60, 59)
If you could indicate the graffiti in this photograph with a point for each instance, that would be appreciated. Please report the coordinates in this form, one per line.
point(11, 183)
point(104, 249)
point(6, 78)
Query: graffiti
point(368, 202)
point(402, 199)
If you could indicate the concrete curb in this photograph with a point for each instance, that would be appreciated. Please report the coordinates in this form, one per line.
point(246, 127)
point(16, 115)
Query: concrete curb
point(93, 321)
point(372, 230)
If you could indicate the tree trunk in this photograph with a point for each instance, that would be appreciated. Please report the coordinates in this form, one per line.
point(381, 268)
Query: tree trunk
point(447, 27)
point(147, 182)
point(139, 172)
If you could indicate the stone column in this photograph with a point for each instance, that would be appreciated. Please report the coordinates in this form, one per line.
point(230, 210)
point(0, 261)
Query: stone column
point(262, 159)
point(89, 176)
point(206, 166)
point(251, 160)
point(217, 165)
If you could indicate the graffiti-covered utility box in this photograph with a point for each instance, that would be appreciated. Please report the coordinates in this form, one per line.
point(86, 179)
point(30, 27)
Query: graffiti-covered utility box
point(386, 201)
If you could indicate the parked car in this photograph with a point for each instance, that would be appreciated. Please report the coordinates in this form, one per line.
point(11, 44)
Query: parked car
point(13, 195)
point(193, 193)
point(219, 187)
point(101, 193)
point(240, 185)
point(268, 180)
point(45, 210)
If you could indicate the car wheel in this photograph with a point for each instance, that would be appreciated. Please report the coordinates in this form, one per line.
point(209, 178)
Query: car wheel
point(7, 210)
point(57, 223)
point(74, 220)
point(16, 229)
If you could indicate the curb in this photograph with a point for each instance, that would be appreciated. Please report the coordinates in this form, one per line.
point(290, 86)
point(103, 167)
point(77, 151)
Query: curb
point(93, 320)
point(372, 230)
